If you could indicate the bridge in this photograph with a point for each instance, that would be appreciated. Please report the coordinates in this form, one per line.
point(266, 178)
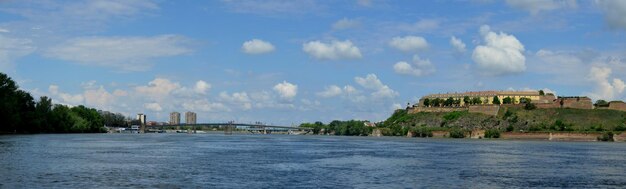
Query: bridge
point(230, 126)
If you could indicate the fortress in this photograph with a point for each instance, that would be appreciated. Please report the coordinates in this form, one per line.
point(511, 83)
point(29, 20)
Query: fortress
point(489, 102)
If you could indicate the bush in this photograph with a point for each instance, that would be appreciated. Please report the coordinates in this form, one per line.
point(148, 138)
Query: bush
point(530, 106)
point(457, 133)
point(607, 137)
point(621, 127)
point(510, 128)
point(492, 133)
point(421, 132)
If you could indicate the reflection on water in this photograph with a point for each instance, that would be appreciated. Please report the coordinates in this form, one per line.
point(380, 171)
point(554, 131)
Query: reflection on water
point(270, 161)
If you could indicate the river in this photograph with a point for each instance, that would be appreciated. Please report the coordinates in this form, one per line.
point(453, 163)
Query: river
point(287, 161)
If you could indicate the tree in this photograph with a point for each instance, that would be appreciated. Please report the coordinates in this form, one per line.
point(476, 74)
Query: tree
point(436, 102)
point(457, 102)
point(476, 100)
point(602, 103)
point(448, 101)
point(506, 100)
point(467, 100)
point(530, 106)
point(541, 93)
point(496, 100)
point(524, 100)
point(426, 102)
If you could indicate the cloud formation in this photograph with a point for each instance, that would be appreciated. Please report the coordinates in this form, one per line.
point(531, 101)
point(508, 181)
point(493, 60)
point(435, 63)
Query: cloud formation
point(604, 88)
point(202, 87)
point(501, 53)
point(458, 45)
point(420, 67)
point(409, 43)
point(335, 50)
point(614, 13)
point(257, 46)
point(13, 48)
point(126, 53)
point(372, 82)
point(286, 90)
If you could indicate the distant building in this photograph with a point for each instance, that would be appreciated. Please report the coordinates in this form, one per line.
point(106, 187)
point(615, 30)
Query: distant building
point(486, 97)
point(190, 117)
point(142, 118)
point(174, 118)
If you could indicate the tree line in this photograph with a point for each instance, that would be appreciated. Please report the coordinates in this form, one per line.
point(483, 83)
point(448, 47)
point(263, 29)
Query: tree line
point(336, 127)
point(20, 113)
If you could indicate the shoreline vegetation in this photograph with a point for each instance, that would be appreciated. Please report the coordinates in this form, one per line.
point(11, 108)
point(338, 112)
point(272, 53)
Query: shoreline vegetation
point(21, 114)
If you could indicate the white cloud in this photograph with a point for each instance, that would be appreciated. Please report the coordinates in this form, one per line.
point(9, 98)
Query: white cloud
point(536, 6)
point(65, 98)
point(158, 88)
point(202, 87)
point(257, 46)
point(409, 43)
point(458, 45)
point(13, 48)
point(240, 98)
point(203, 105)
point(501, 54)
point(334, 90)
point(372, 82)
point(286, 90)
point(119, 92)
point(334, 50)
point(153, 106)
point(126, 53)
point(615, 12)
point(99, 98)
point(330, 91)
point(604, 89)
point(420, 67)
point(346, 23)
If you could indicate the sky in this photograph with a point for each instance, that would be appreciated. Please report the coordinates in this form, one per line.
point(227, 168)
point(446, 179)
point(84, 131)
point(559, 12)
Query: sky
point(286, 62)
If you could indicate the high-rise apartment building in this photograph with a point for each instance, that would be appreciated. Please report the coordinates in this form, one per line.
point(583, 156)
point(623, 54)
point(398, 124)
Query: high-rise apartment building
point(174, 118)
point(190, 118)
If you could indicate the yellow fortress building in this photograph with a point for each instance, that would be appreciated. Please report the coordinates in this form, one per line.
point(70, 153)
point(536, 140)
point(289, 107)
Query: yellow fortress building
point(486, 97)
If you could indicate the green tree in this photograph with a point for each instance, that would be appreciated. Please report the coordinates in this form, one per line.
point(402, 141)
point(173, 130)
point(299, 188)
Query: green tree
point(426, 102)
point(448, 101)
point(496, 100)
point(476, 100)
point(492, 133)
point(507, 100)
point(602, 103)
point(541, 93)
point(436, 102)
point(524, 100)
point(530, 106)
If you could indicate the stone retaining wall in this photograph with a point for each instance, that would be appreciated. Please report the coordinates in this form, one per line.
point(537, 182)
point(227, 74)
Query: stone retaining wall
point(485, 109)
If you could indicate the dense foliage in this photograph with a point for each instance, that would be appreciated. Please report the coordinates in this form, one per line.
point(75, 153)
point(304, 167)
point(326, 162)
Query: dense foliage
point(492, 133)
point(336, 127)
point(20, 113)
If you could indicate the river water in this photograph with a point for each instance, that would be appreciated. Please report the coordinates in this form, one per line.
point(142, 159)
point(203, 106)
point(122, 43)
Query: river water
point(283, 161)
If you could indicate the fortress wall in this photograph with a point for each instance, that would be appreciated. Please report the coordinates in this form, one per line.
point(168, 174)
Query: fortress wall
point(548, 105)
point(617, 105)
point(577, 103)
point(485, 109)
point(436, 109)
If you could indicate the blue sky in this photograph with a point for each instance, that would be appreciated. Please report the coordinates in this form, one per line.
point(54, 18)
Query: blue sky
point(285, 62)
